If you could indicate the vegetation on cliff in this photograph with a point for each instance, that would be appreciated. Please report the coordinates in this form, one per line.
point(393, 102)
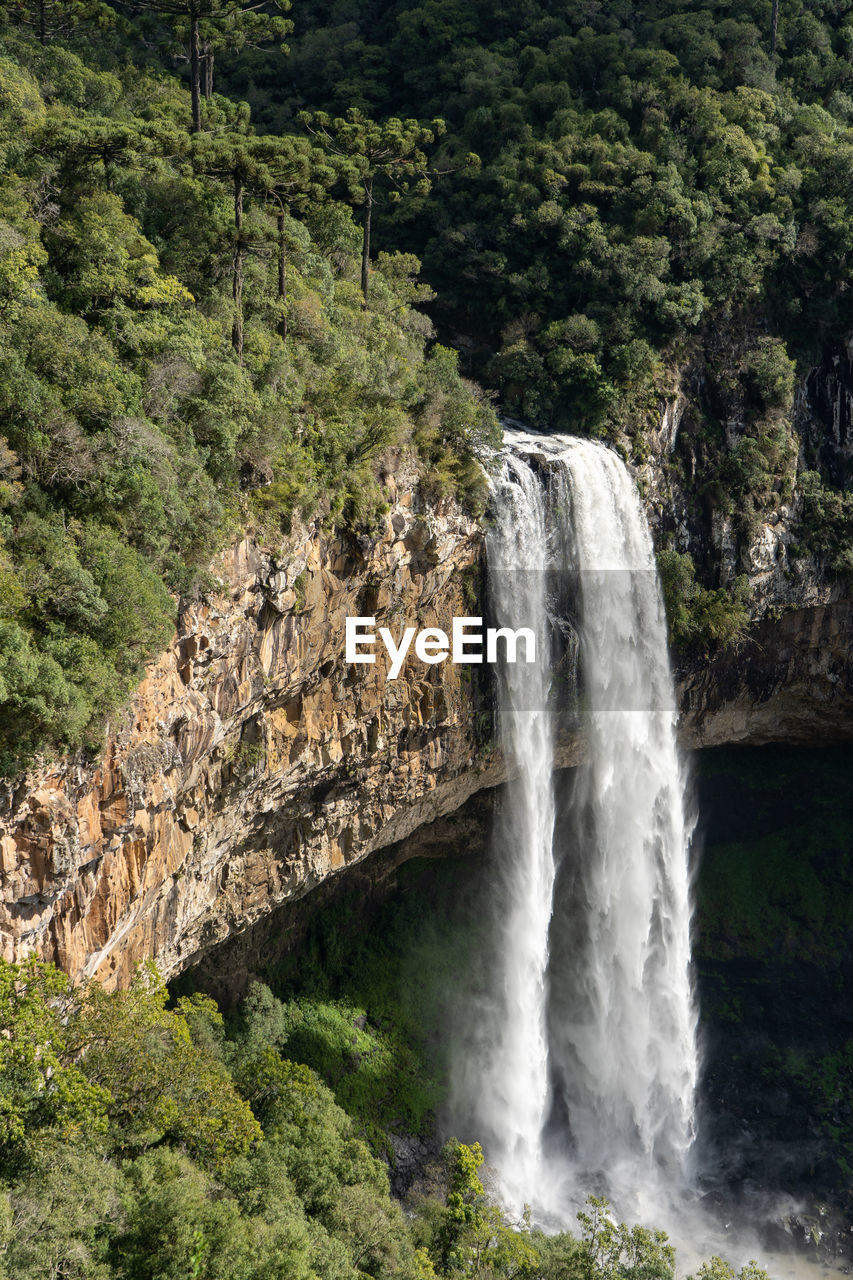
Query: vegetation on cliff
point(699, 618)
point(653, 177)
point(139, 1142)
point(663, 203)
point(186, 350)
point(198, 334)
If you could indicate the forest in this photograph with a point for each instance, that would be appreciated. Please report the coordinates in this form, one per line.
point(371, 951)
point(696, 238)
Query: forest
point(199, 333)
point(146, 1142)
point(249, 255)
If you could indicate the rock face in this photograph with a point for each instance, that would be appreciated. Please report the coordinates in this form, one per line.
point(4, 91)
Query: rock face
point(790, 681)
point(254, 762)
point(678, 482)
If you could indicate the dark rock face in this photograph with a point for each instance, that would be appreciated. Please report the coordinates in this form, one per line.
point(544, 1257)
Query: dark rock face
point(790, 681)
point(411, 1157)
point(829, 423)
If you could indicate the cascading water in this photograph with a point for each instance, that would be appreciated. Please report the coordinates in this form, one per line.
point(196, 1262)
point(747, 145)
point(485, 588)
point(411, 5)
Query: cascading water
point(510, 1088)
point(587, 1059)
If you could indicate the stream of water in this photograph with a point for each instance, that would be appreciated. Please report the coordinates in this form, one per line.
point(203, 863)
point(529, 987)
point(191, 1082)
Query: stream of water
point(586, 1050)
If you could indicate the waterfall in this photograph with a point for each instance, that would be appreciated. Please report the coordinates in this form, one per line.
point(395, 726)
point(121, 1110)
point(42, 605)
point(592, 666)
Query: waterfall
point(586, 1042)
point(510, 1088)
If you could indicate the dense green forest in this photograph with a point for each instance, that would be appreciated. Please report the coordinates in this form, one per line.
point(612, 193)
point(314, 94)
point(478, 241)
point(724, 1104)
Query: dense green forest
point(139, 1142)
point(660, 184)
point(186, 351)
point(200, 334)
point(233, 279)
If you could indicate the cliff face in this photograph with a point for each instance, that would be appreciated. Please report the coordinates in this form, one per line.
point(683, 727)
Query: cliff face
point(781, 576)
point(791, 681)
point(254, 762)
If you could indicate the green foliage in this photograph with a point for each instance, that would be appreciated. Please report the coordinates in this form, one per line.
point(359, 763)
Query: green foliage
point(177, 1223)
point(203, 28)
point(771, 375)
point(185, 352)
point(366, 149)
point(367, 1000)
point(162, 1084)
point(128, 1151)
point(61, 1214)
point(41, 1085)
point(52, 19)
point(457, 432)
point(658, 191)
point(224, 1160)
point(718, 1269)
point(827, 522)
point(613, 1251)
point(700, 619)
point(465, 1234)
point(374, 1074)
point(390, 148)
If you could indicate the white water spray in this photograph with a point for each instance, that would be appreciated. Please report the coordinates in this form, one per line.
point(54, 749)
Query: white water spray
point(510, 1086)
point(587, 1059)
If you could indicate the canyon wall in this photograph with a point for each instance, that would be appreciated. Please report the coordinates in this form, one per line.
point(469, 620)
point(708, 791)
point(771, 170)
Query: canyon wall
point(254, 763)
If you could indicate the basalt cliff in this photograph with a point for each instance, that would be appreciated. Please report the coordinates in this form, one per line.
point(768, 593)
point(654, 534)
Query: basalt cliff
point(254, 763)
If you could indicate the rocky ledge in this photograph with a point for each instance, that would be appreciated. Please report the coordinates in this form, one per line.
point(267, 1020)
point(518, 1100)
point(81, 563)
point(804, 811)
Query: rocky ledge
point(790, 680)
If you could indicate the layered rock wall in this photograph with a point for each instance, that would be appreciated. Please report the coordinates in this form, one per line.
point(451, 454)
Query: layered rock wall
point(253, 762)
point(790, 681)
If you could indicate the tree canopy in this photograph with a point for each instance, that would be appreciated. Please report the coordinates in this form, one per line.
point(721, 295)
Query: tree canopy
point(143, 1139)
point(185, 352)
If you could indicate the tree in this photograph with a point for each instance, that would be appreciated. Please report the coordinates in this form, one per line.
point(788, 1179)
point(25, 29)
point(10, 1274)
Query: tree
point(287, 170)
point(91, 150)
point(100, 260)
point(296, 176)
point(718, 1269)
point(249, 27)
point(41, 1085)
point(161, 1083)
point(699, 618)
point(63, 1212)
point(53, 19)
point(205, 26)
point(774, 25)
point(240, 160)
point(611, 1250)
point(368, 150)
